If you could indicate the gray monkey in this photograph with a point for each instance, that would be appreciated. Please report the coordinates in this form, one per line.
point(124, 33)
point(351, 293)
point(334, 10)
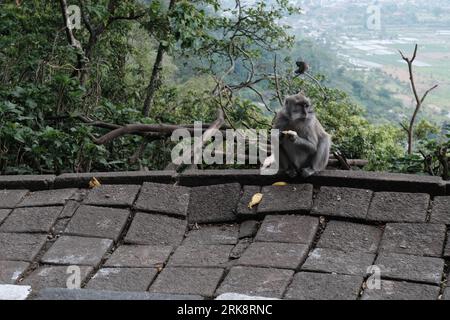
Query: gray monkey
point(304, 144)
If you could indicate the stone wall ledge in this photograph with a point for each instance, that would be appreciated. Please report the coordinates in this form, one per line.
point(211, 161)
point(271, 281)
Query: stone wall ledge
point(376, 181)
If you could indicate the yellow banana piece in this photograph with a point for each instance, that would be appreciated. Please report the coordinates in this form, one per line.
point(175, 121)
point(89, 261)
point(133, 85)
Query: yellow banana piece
point(257, 198)
point(94, 183)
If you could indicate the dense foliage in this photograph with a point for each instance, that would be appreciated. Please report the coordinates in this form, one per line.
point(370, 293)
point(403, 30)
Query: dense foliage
point(180, 61)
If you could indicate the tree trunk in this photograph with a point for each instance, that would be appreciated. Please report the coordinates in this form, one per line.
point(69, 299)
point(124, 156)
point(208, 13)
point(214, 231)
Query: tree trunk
point(155, 81)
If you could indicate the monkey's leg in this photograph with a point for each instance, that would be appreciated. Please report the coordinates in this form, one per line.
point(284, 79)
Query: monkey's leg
point(321, 157)
point(286, 164)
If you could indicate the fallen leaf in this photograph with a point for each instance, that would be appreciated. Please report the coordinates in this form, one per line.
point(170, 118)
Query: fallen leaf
point(94, 183)
point(280, 184)
point(257, 198)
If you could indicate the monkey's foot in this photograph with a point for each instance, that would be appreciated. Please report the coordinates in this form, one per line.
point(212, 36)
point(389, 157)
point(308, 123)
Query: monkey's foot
point(292, 173)
point(307, 172)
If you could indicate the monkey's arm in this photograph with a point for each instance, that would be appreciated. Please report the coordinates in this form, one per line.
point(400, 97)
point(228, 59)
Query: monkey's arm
point(320, 160)
point(303, 143)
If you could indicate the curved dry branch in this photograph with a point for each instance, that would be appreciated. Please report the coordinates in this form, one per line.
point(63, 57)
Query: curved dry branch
point(419, 101)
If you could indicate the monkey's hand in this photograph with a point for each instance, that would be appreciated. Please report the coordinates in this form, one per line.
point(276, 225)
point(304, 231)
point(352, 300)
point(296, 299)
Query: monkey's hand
point(291, 134)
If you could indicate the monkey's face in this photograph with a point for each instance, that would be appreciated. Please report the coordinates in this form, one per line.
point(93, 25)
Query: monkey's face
point(299, 108)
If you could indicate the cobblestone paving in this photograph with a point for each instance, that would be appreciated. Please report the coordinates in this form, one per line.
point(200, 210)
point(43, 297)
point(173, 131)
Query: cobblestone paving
point(161, 241)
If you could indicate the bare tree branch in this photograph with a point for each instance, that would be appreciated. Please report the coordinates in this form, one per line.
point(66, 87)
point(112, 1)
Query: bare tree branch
point(419, 101)
point(73, 42)
point(277, 82)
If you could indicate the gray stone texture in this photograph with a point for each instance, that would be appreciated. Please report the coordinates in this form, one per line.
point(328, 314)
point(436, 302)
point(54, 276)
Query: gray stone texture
point(321, 286)
point(47, 198)
point(136, 256)
point(68, 250)
point(69, 209)
point(260, 282)
point(10, 198)
point(246, 197)
point(81, 180)
point(380, 181)
point(112, 195)
point(441, 210)
point(446, 295)
point(201, 256)
point(397, 290)
point(286, 199)
point(447, 247)
point(350, 237)
point(60, 226)
point(288, 229)
point(214, 204)
point(156, 230)
point(414, 239)
point(213, 234)
point(163, 198)
point(399, 207)
point(3, 214)
point(38, 219)
point(96, 295)
point(248, 229)
point(100, 222)
point(410, 268)
point(31, 182)
point(22, 247)
point(54, 277)
point(11, 271)
point(240, 248)
point(342, 202)
point(190, 281)
point(335, 261)
point(122, 279)
point(274, 255)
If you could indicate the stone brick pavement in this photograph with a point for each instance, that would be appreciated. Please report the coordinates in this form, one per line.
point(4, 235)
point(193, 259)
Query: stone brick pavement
point(165, 241)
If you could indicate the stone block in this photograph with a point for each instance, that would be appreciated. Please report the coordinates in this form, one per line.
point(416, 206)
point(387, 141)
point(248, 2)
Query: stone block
point(20, 247)
point(415, 239)
point(10, 198)
point(112, 195)
point(213, 234)
point(101, 222)
point(135, 256)
point(399, 207)
point(274, 255)
point(31, 220)
point(350, 237)
point(214, 204)
point(261, 282)
point(321, 286)
point(156, 230)
point(201, 256)
point(286, 199)
point(163, 199)
point(77, 251)
point(339, 262)
point(122, 279)
point(342, 202)
point(188, 281)
point(411, 268)
point(288, 229)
